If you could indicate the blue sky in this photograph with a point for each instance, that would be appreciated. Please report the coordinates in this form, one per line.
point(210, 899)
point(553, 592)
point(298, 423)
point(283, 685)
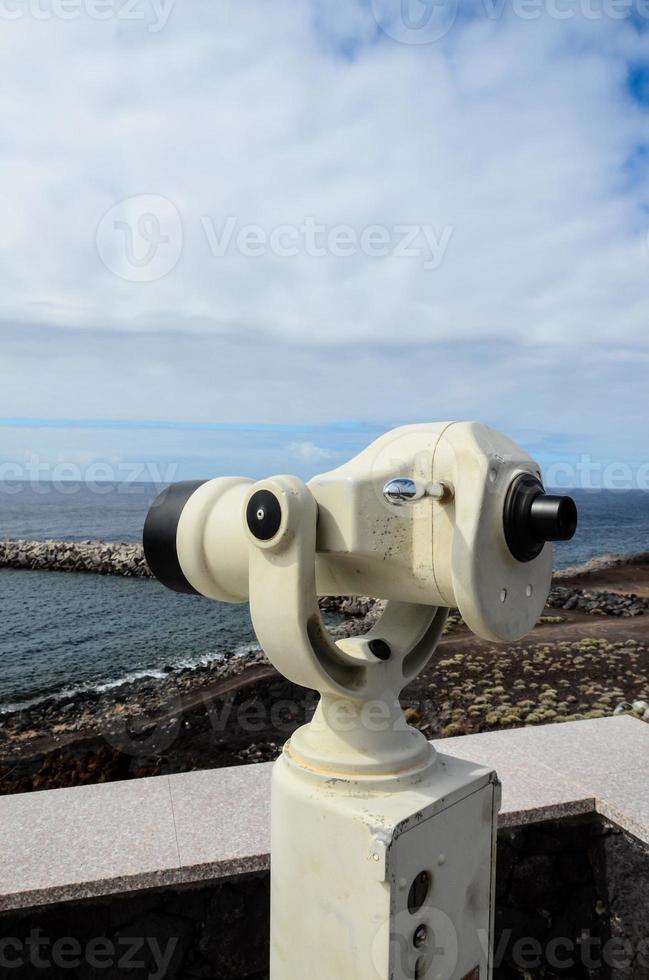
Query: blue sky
point(279, 227)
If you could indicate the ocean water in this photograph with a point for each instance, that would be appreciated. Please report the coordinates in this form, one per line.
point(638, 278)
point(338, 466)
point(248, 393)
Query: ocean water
point(75, 512)
point(63, 632)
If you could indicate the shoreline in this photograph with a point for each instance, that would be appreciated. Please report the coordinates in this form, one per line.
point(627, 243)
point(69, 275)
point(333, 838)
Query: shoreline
point(574, 588)
point(588, 655)
point(603, 563)
point(359, 613)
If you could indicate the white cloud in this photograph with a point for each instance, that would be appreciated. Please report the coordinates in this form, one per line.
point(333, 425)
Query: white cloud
point(308, 452)
point(515, 134)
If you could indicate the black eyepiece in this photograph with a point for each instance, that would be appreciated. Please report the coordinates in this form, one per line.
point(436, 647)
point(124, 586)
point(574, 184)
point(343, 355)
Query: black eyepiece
point(553, 518)
point(532, 517)
point(159, 537)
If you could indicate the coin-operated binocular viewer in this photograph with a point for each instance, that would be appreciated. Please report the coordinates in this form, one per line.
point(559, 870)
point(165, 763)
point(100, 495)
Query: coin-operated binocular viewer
point(382, 861)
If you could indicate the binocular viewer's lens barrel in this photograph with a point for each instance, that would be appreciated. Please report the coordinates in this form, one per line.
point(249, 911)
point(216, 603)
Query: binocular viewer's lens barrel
point(461, 520)
point(532, 517)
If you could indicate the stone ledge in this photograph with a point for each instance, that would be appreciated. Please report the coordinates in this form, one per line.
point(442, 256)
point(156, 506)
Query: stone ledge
point(71, 844)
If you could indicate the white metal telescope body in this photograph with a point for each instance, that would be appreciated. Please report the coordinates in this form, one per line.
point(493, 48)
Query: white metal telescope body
point(382, 850)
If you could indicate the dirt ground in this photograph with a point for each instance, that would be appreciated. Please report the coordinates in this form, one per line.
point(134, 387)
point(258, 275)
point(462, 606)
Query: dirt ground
point(623, 578)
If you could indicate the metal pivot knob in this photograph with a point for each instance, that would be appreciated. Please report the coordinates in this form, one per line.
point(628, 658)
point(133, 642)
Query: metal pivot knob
point(402, 490)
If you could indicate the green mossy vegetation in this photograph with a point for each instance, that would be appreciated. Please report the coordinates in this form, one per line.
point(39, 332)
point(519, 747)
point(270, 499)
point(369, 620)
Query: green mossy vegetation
point(518, 686)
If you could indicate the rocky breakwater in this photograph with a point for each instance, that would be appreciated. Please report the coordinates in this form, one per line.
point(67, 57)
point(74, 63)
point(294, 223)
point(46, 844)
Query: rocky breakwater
point(99, 557)
point(597, 603)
